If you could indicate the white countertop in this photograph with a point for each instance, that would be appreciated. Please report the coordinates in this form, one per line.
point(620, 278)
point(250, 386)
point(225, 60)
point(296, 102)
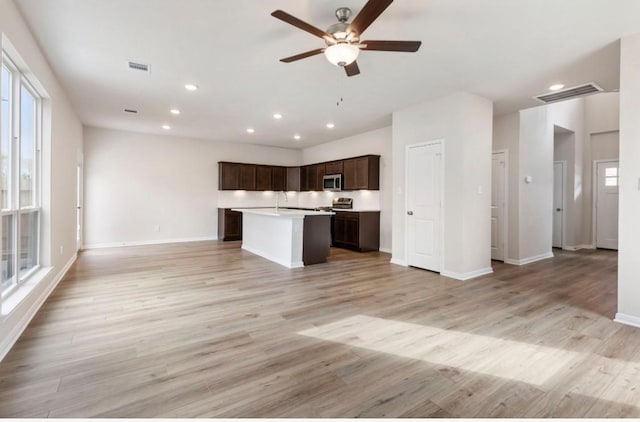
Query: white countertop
point(353, 210)
point(282, 212)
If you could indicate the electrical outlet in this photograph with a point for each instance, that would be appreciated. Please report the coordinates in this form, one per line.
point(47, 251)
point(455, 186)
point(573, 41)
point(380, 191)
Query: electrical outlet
point(61, 249)
point(156, 228)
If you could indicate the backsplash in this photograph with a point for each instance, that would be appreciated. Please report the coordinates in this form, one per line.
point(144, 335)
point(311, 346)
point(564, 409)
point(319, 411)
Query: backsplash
point(362, 200)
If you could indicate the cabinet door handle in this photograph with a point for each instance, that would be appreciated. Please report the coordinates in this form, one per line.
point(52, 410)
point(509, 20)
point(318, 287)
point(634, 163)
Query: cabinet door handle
point(409, 212)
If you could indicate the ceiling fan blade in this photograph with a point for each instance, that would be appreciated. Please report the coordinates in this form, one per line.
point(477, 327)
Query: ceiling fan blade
point(405, 46)
point(352, 69)
point(302, 55)
point(292, 20)
point(368, 14)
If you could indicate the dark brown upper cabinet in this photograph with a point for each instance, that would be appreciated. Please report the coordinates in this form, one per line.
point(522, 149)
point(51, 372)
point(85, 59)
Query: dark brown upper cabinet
point(320, 172)
point(247, 177)
point(334, 167)
point(263, 178)
point(293, 179)
point(236, 176)
point(278, 178)
point(359, 173)
point(362, 173)
point(312, 177)
point(228, 176)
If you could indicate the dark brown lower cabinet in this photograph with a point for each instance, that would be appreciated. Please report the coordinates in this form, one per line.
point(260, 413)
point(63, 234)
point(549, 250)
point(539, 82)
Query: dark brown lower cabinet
point(316, 239)
point(229, 224)
point(357, 230)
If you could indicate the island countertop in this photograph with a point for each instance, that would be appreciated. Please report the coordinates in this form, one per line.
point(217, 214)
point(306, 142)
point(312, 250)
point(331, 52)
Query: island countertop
point(281, 212)
point(293, 238)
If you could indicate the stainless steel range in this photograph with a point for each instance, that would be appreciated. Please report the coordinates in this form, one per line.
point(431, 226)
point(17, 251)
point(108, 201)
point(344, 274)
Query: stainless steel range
point(338, 204)
point(342, 203)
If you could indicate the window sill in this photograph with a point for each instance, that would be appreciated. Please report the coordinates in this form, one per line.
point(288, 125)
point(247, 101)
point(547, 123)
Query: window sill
point(13, 301)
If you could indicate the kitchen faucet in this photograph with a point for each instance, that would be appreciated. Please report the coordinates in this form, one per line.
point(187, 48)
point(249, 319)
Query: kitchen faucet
point(278, 198)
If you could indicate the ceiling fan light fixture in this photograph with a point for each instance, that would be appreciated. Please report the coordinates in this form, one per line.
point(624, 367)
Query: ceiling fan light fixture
point(341, 54)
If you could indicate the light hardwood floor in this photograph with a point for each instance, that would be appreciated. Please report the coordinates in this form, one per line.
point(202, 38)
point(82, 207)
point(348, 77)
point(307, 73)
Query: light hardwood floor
point(205, 329)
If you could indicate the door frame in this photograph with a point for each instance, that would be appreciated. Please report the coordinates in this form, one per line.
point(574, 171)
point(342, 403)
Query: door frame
point(505, 211)
point(80, 201)
point(441, 142)
point(594, 198)
point(564, 204)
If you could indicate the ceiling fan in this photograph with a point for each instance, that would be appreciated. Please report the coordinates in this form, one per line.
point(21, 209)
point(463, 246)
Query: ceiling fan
point(343, 38)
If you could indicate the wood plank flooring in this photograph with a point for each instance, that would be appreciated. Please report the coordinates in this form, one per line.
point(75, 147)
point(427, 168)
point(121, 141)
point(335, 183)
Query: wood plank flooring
point(207, 330)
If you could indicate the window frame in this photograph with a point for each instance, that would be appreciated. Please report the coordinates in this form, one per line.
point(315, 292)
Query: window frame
point(19, 82)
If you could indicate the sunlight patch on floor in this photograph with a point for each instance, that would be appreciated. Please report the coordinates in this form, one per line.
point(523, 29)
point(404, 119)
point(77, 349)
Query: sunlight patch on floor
point(497, 357)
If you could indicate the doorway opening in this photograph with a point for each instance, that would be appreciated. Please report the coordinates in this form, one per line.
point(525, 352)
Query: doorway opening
point(499, 216)
point(79, 200)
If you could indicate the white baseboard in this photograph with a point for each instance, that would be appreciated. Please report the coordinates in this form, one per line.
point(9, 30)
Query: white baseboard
point(15, 333)
point(147, 242)
point(385, 250)
point(578, 247)
point(529, 260)
point(397, 261)
point(468, 275)
point(627, 320)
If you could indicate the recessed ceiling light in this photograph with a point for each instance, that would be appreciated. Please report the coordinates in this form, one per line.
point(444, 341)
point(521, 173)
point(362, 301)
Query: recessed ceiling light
point(174, 111)
point(297, 137)
point(191, 87)
point(556, 87)
point(330, 125)
point(166, 127)
point(250, 130)
point(277, 116)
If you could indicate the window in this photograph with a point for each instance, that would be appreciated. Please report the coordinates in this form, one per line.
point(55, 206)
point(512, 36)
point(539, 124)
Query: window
point(611, 176)
point(19, 177)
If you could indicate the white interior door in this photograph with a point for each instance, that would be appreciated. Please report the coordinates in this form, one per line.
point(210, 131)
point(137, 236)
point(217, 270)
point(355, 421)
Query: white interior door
point(558, 203)
point(424, 204)
point(607, 205)
point(498, 206)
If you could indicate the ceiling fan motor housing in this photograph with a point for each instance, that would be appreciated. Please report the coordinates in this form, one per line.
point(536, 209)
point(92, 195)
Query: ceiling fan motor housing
point(343, 14)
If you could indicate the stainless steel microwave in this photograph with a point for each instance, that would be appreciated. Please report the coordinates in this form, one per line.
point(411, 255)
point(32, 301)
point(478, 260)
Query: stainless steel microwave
point(332, 182)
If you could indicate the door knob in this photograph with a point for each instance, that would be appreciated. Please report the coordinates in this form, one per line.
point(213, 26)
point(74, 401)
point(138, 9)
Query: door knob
point(409, 212)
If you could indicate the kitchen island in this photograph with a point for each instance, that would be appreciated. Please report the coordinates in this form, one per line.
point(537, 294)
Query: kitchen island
point(289, 237)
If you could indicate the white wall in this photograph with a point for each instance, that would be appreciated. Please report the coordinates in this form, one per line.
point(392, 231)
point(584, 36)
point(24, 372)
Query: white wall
point(602, 112)
point(62, 145)
point(137, 183)
point(535, 199)
point(628, 262)
point(465, 122)
point(377, 142)
point(605, 146)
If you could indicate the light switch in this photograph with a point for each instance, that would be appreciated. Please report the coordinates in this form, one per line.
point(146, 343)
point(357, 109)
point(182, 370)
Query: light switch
point(479, 189)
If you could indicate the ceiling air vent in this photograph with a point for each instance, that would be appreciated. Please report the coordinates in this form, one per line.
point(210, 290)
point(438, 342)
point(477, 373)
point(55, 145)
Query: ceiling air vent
point(139, 66)
point(565, 94)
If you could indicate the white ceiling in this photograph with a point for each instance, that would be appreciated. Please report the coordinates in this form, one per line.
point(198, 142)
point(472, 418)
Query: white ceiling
point(504, 50)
